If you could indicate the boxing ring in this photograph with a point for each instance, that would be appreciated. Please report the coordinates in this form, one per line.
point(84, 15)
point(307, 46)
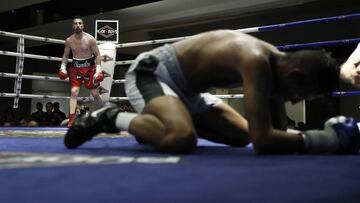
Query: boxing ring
point(36, 167)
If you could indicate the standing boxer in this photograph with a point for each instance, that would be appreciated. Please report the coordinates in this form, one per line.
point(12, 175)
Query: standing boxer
point(85, 67)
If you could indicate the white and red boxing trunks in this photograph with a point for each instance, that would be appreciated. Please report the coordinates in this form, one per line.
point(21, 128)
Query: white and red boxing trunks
point(82, 71)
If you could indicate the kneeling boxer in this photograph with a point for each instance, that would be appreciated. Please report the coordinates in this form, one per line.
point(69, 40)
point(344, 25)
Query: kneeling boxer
point(166, 87)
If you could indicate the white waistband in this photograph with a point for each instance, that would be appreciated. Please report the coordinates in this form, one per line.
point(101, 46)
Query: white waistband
point(82, 59)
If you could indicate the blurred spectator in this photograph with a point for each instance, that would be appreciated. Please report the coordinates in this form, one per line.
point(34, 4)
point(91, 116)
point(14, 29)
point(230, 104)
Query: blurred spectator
point(59, 116)
point(301, 126)
point(49, 115)
point(22, 122)
point(39, 115)
point(291, 123)
point(58, 111)
point(27, 122)
point(32, 123)
point(8, 118)
point(7, 124)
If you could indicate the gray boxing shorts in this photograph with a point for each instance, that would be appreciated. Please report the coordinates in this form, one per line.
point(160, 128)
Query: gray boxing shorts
point(149, 79)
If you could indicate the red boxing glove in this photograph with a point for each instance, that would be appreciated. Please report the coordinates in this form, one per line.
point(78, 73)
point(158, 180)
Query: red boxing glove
point(62, 75)
point(62, 72)
point(99, 75)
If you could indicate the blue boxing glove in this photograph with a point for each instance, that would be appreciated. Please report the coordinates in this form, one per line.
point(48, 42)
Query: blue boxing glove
point(347, 132)
point(340, 135)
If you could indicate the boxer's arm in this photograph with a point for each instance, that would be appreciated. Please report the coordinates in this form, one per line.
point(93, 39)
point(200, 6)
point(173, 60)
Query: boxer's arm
point(257, 80)
point(278, 114)
point(99, 75)
point(96, 52)
point(66, 53)
point(62, 71)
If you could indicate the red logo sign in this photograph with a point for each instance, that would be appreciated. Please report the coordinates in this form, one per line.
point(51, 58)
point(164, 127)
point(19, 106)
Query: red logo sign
point(107, 31)
point(105, 58)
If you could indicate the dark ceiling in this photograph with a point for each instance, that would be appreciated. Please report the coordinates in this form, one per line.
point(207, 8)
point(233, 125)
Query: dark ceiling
point(56, 10)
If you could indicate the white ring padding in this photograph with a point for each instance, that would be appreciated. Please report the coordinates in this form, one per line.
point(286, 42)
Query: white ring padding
point(128, 62)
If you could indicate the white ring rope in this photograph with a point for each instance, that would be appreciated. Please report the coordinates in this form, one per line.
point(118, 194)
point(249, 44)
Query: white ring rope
point(175, 39)
point(86, 99)
point(35, 38)
point(117, 99)
point(32, 77)
point(48, 78)
point(32, 56)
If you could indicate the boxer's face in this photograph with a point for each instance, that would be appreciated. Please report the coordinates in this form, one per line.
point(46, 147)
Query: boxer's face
point(301, 87)
point(78, 25)
point(311, 89)
point(302, 92)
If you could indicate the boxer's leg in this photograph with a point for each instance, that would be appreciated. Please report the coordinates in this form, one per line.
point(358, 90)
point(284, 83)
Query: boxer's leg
point(72, 103)
point(97, 97)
